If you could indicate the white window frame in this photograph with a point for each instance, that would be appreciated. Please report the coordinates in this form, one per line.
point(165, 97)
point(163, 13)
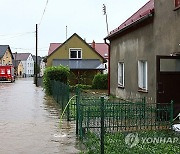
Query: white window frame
point(121, 74)
point(75, 49)
point(142, 75)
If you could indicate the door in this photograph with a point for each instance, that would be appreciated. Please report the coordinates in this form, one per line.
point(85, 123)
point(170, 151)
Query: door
point(168, 81)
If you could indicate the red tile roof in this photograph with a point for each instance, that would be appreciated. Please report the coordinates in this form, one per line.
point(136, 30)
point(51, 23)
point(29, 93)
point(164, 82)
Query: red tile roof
point(101, 48)
point(53, 46)
point(146, 10)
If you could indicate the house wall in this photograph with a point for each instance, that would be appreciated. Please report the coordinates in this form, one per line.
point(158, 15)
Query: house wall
point(20, 69)
point(7, 58)
point(74, 42)
point(28, 66)
point(167, 27)
point(160, 37)
point(129, 49)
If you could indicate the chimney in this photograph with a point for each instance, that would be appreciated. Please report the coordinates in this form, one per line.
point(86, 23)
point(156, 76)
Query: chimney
point(93, 44)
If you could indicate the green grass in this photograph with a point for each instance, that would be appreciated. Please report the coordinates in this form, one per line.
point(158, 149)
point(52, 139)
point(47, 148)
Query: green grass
point(115, 143)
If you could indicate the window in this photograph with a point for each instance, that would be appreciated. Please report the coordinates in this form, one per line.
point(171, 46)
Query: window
point(120, 74)
point(75, 54)
point(142, 75)
point(177, 3)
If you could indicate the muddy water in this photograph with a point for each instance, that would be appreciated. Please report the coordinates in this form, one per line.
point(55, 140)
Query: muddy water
point(29, 122)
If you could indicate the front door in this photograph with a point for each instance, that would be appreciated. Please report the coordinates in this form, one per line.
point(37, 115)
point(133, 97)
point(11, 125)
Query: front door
point(168, 81)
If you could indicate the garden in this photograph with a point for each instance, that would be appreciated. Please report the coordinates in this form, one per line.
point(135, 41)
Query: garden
point(108, 125)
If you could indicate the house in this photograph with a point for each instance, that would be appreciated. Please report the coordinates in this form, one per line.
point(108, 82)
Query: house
point(39, 58)
point(19, 67)
point(26, 61)
point(144, 54)
point(101, 48)
point(6, 57)
point(42, 67)
point(83, 60)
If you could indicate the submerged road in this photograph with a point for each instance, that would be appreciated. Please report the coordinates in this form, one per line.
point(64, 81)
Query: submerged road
point(29, 121)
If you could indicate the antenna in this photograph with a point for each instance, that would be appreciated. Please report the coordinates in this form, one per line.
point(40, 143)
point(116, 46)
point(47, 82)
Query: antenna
point(105, 13)
point(66, 32)
point(66, 39)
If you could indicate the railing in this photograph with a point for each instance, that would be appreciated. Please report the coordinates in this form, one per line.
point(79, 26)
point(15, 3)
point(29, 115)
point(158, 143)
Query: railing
point(105, 116)
point(101, 116)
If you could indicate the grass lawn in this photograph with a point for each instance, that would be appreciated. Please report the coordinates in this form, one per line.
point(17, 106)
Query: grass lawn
point(149, 142)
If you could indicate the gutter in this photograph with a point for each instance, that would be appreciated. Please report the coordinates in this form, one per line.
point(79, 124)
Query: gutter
point(109, 79)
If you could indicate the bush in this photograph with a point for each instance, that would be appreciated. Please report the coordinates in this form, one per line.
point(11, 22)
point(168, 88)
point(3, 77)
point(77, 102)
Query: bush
point(80, 86)
point(57, 73)
point(100, 81)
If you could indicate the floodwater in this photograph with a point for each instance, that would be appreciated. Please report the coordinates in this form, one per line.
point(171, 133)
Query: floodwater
point(29, 122)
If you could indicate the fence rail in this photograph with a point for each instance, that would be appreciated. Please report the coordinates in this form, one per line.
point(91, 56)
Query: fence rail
point(101, 116)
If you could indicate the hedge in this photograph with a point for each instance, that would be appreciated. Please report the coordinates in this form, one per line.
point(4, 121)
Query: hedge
point(57, 73)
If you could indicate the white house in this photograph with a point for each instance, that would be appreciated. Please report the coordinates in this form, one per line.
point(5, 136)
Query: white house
point(27, 62)
point(42, 67)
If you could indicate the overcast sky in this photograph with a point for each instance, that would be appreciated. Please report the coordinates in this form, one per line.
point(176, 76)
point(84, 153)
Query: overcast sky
point(84, 17)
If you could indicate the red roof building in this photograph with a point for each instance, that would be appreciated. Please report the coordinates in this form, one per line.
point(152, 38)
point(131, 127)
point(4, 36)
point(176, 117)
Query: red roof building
point(101, 48)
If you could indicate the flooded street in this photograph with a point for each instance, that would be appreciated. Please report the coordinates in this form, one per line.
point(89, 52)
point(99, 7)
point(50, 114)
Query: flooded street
point(29, 121)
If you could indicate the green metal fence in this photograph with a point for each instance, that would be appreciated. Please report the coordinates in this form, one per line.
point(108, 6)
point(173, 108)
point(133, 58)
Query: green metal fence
point(124, 116)
point(102, 116)
point(61, 94)
point(105, 116)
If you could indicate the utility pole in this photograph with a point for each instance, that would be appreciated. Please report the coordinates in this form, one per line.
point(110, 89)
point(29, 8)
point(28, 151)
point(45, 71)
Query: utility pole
point(36, 69)
point(105, 13)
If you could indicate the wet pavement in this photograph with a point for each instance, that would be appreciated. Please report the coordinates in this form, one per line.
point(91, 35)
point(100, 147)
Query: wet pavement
point(29, 122)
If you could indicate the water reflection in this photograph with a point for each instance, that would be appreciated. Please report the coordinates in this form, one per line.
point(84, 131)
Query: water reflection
point(29, 121)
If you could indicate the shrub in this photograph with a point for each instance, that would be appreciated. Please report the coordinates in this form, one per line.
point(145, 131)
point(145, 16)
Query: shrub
point(80, 86)
point(100, 81)
point(57, 73)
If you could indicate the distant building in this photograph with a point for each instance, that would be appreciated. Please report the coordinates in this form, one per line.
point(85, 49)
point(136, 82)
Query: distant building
point(6, 57)
point(26, 61)
point(101, 48)
point(42, 67)
point(82, 59)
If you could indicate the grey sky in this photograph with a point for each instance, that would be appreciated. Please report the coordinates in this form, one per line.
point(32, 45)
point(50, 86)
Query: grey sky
point(84, 17)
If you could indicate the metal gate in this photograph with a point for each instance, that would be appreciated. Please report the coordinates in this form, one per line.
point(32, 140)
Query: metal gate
point(168, 81)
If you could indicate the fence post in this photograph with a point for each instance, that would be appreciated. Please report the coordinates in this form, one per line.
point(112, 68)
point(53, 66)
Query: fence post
point(102, 125)
point(77, 110)
point(171, 113)
point(67, 100)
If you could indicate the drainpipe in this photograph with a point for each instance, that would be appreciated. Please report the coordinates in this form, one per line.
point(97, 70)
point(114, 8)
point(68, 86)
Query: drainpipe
point(108, 66)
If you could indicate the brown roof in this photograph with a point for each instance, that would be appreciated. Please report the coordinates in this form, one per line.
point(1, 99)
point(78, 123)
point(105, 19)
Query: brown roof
point(21, 56)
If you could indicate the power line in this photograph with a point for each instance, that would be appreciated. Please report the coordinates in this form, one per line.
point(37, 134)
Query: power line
point(5, 37)
point(16, 34)
point(43, 13)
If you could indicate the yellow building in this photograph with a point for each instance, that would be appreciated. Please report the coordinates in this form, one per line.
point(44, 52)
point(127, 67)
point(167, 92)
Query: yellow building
point(82, 59)
point(20, 69)
point(6, 56)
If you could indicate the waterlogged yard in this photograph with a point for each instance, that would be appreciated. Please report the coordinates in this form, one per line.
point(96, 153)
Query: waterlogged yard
point(146, 142)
